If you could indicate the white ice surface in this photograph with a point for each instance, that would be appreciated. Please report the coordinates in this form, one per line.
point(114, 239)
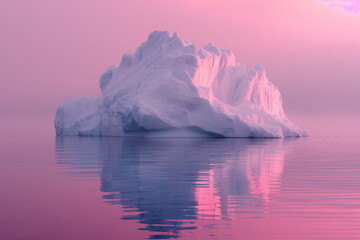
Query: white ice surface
point(169, 87)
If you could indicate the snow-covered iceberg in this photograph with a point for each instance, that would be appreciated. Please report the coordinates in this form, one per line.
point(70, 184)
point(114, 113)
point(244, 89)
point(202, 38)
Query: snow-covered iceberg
point(170, 87)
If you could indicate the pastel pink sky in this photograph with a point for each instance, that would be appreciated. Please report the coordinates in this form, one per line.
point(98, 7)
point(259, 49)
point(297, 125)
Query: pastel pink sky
point(51, 50)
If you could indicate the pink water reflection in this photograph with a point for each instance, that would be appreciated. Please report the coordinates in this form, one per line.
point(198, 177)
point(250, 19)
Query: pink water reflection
point(261, 168)
point(131, 188)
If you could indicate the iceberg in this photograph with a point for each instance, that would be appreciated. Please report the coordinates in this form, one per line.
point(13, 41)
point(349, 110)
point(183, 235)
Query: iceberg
point(172, 88)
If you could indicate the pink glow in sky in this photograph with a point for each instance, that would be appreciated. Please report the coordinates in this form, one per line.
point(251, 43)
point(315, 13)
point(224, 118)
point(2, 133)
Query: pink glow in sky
point(51, 50)
point(349, 6)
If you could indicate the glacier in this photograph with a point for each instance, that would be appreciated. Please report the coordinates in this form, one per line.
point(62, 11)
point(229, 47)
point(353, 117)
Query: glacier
point(172, 88)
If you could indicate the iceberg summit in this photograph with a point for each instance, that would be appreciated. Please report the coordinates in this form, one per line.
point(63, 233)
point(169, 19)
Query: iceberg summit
point(172, 88)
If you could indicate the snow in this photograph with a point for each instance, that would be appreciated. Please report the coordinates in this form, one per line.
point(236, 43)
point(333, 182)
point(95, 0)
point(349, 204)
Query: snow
point(170, 87)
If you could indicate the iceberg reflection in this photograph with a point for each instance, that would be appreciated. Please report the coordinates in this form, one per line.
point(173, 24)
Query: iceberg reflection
point(168, 183)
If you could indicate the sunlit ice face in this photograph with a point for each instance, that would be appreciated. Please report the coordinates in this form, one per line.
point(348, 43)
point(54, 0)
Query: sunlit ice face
point(348, 6)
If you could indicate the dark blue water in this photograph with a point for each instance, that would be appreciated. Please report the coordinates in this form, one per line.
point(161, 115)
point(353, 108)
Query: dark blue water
point(187, 188)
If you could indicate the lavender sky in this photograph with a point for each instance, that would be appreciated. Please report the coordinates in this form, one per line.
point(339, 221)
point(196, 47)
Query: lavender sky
point(51, 50)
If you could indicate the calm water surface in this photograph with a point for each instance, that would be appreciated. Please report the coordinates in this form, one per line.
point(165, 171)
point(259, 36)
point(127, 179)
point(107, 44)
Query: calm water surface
point(188, 188)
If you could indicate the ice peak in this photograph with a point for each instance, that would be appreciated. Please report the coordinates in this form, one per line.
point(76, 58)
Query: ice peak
point(158, 35)
point(158, 45)
point(163, 37)
point(211, 49)
point(175, 35)
point(257, 72)
point(259, 68)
